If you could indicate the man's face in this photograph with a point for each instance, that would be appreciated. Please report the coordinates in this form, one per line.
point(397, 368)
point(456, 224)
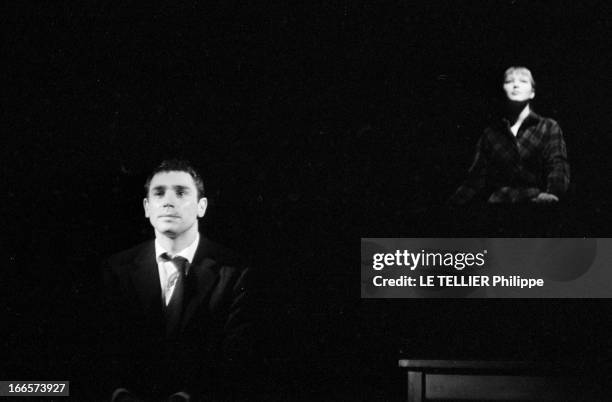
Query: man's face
point(518, 88)
point(172, 204)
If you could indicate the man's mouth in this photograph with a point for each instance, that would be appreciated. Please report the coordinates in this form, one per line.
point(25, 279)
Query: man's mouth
point(169, 216)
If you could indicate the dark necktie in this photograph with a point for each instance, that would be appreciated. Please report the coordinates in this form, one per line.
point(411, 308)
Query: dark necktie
point(174, 309)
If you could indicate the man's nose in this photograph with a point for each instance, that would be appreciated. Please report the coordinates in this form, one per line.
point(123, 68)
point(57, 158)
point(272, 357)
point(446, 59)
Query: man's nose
point(168, 200)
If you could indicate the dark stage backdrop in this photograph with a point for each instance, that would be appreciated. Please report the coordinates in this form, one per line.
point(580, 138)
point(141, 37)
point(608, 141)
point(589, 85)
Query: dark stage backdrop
point(314, 126)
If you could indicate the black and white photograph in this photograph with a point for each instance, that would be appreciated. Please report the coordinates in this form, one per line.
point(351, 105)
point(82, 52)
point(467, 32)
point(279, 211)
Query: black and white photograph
point(187, 185)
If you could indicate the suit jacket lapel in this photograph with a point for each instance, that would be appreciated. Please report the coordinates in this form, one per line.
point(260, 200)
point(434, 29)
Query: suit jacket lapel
point(204, 278)
point(145, 277)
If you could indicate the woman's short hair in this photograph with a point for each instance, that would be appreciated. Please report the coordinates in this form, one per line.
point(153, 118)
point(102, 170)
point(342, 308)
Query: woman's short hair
point(520, 70)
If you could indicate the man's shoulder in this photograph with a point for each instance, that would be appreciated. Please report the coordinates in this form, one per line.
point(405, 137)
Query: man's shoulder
point(127, 256)
point(223, 256)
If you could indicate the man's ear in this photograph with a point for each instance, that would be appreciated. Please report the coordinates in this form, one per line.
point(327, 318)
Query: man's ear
point(532, 94)
point(145, 204)
point(202, 205)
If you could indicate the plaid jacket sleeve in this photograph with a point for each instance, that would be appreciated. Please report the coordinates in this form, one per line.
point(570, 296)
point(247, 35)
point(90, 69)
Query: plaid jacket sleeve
point(555, 159)
point(477, 174)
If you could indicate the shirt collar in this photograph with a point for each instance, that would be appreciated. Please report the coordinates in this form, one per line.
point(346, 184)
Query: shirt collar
point(188, 252)
point(531, 118)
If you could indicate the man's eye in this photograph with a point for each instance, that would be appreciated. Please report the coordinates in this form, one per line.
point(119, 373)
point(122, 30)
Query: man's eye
point(180, 193)
point(158, 193)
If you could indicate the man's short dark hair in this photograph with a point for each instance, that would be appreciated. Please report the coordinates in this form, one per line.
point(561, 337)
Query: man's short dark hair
point(177, 165)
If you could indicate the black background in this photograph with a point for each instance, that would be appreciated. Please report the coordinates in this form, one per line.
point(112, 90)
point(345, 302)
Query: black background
point(313, 125)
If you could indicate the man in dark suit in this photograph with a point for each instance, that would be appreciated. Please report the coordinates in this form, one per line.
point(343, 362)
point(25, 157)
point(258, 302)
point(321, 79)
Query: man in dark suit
point(177, 326)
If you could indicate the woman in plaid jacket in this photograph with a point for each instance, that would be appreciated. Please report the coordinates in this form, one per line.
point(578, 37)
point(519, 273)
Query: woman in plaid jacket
point(520, 158)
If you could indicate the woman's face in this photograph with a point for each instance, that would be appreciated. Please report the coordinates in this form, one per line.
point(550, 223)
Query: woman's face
point(518, 88)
